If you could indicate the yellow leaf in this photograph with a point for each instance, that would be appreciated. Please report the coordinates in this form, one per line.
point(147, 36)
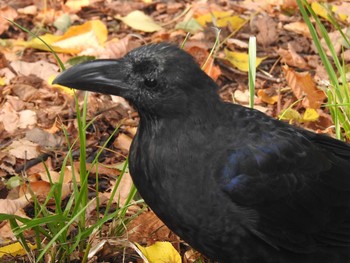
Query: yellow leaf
point(240, 59)
point(2, 82)
point(310, 115)
point(14, 249)
point(320, 10)
point(342, 17)
point(64, 89)
point(140, 21)
point(91, 34)
point(290, 115)
point(221, 19)
point(76, 5)
point(266, 98)
point(160, 252)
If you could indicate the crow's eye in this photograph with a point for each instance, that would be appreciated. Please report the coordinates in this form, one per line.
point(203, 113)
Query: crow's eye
point(151, 83)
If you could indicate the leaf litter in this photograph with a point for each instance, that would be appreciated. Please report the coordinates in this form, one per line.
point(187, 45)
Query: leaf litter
point(33, 114)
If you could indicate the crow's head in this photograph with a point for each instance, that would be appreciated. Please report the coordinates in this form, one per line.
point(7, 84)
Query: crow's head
point(157, 79)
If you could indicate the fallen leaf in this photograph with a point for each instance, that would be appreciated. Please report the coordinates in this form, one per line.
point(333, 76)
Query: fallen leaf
point(320, 10)
point(123, 189)
point(191, 26)
point(23, 149)
point(15, 249)
point(9, 117)
point(123, 142)
point(160, 252)
point(310, 115)
point(8, 13)
point(292, 58)
point(28, 10)
point(299, 28)
point(266, 98)
point(27, 119)
point(221, 19)
point(44, 138)
point(241, 97)
point(201, 55)
point(76, 5)
point(95, 202)
point(63, 22)
point(304, 87)
point(90, 35)
point(140, 21)
point(10, 206)
point(41, 69)
point(240, 59)
point(266, 28)
point(290, 115)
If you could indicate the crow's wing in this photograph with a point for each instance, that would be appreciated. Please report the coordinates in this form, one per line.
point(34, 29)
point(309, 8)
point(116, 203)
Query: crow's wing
point(297, 181)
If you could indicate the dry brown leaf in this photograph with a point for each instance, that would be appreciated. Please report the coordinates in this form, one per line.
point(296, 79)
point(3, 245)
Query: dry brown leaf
point(117, 48)
point(77, 5)
point(304, 87)
point(148, 228)
point(292, 58)
point(123, 142)
point(27, 119)
point(266, 28)
point(123, 189)
point(8, 13)
point(28, 10)
point(6, 232)
point(93, 204)
point(24, 91)
point(9, 117)
point(299, 28)
point(241, 96)
point(267, 98)
point(41, 189)
point(101, 169)
point(44, 138)
point(201, 55)
point(23, 149)
point(41, 69)
point(10, 206)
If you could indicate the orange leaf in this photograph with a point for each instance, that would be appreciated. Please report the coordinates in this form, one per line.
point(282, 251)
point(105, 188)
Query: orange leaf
point(201, 56)
point(266, 98)
point(304, 87)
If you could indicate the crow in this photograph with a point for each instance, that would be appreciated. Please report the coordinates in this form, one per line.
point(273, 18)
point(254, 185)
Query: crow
point(234, 183)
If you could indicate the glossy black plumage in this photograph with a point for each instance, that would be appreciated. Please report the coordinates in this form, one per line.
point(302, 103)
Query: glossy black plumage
point(234, 183)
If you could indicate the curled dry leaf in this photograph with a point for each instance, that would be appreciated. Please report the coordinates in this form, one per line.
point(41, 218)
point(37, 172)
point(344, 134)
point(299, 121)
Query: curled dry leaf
point(8, 206)
point(291, 57)
point(304, 87)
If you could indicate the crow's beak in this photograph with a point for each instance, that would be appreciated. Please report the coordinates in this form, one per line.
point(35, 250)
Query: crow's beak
point(104, 76)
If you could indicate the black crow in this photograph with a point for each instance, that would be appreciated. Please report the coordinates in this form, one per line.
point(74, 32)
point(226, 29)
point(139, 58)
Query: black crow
point(235, 184)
